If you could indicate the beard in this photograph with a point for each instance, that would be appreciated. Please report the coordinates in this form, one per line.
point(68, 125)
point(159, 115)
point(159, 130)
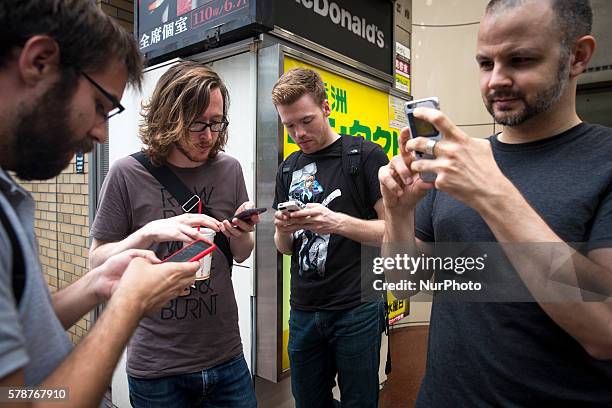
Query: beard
point(543, 100)
point(191, 155)
point(44, 139)
point(193, 150)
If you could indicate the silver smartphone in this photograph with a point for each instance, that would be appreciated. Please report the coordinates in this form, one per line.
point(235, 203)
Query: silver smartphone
point(290, 206)
point(421, 128)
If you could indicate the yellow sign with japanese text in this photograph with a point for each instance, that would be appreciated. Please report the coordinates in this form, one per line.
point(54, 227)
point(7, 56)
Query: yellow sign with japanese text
point(357, 110)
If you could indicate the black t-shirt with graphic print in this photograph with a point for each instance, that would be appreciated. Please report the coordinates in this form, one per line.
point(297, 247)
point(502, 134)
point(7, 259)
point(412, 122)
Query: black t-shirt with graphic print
point(325, 269)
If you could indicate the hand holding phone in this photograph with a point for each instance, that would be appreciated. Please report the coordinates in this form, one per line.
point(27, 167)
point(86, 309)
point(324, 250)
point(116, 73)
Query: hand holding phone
point(421, 128)
point(192, 252)
point(246, 214)
point(290, 206)
point(196, 251)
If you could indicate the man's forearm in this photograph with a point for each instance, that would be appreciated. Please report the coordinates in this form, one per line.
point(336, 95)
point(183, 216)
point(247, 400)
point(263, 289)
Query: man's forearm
point(363, 231)
point(242, 247)
point(532, 247)
point(88, 370)
point(399, 239)
point(72, 302)
point(98, 254)
point(283, 242)
point(399, 226)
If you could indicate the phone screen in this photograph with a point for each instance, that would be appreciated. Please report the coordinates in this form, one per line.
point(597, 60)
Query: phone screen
point(423, 128)
point(188, 252)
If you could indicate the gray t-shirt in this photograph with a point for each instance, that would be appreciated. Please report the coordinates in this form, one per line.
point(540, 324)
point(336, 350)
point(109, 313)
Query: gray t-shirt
point(192, 332)
point(512, 354)
point(31, 336)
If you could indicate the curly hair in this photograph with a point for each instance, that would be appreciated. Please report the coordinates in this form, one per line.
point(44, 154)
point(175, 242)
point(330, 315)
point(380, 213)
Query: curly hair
point(180, 96)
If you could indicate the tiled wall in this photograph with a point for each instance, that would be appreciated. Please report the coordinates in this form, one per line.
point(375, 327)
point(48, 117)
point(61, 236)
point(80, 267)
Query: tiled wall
point(62, 227)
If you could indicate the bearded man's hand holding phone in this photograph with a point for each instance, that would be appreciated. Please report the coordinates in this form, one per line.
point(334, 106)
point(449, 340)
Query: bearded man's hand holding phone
point(421, 128)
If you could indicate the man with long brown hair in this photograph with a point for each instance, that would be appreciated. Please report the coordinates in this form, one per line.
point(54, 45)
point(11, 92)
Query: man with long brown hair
point(189, 354)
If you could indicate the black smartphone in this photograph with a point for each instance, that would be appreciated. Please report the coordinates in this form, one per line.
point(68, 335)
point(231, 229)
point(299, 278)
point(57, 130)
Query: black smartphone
point(246, 214)
point(192, 252)
point(421, 128)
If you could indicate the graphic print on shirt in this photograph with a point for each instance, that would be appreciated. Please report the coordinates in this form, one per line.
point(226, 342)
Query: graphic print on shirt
point(313, 247)
point(201, 301)
point(304, 185)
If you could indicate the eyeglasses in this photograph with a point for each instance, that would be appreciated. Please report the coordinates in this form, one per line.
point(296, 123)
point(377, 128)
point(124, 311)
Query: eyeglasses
point(197, 127)
point(117, 107)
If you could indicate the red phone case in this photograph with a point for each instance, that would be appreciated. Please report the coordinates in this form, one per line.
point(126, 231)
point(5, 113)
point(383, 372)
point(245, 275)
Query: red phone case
point(201, 254)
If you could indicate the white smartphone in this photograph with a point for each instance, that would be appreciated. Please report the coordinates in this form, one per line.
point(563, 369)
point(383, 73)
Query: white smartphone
point(290, 206)
point(421, 128)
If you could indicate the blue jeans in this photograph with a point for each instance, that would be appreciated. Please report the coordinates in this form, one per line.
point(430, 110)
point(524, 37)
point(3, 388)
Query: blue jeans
point(346, 342)
point(226, 385)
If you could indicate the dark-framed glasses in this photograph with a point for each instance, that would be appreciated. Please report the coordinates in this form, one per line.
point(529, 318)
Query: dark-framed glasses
point(117, 108)
point(197, 127)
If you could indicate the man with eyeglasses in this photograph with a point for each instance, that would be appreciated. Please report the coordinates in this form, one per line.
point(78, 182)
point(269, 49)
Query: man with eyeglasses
point(116, 107)
point(63, 67)
point(190, 353)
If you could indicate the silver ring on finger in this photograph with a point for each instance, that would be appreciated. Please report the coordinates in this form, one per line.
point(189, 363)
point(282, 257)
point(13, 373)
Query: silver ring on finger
point(430, 146)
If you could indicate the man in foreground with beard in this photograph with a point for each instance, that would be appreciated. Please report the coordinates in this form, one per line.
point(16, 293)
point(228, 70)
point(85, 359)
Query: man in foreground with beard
point(534, 190)
point(63, 68)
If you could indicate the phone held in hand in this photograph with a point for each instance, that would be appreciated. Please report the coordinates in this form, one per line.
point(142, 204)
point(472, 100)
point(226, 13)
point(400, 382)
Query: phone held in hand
point(421, 128)
point(246, 214)
point(192, 252)
point(290, 206)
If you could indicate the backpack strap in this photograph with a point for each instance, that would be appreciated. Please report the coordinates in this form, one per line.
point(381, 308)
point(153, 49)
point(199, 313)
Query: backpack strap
point(18, 261)
point(352, 148)
point(187, 200)
point(289, 166)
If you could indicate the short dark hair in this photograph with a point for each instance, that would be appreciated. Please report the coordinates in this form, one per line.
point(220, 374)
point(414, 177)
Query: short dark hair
point(87, 37)
point(574, 17)
point(295, 83)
